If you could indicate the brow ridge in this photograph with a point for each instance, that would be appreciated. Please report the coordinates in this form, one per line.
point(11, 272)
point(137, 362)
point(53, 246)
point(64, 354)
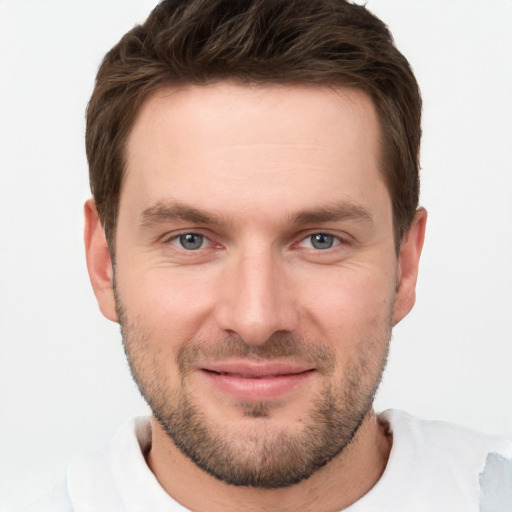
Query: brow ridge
point(332, 213)
point(164, 212)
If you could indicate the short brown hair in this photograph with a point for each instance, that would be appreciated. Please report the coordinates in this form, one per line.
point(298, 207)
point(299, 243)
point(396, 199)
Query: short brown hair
point(324, 42)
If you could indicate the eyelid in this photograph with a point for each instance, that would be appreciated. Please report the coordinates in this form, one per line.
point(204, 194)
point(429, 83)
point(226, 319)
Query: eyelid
point(210, 241)
point(340, 238)
point(173, 239)
point(176, 233)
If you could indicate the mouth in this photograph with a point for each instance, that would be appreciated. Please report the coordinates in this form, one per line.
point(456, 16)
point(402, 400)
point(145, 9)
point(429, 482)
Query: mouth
point(250, 381)
point(242, 376)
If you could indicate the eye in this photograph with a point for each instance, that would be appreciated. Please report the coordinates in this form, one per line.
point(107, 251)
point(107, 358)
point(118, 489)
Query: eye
point(322, 241)
point(190, 241)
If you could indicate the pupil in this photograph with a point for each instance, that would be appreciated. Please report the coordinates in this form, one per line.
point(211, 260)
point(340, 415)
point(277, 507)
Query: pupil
point(322, 241)
point(191, 241)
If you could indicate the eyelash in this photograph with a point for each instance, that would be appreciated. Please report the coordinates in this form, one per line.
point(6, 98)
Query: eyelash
point(336, 239)
point(175, 240)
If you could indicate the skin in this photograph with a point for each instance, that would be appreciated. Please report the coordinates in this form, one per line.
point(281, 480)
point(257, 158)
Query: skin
point(268, 166)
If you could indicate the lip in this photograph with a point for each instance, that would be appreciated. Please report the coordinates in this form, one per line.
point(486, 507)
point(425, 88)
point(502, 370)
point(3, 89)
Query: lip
point(256, 381)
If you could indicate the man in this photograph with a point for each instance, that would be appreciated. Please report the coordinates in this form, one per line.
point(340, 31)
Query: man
point(255, 231)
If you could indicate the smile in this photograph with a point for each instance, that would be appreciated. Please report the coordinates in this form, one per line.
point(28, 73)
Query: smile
point(253, 382)
point(271, 376)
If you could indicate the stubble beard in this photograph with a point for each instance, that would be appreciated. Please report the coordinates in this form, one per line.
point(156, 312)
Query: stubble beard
point(265, 458)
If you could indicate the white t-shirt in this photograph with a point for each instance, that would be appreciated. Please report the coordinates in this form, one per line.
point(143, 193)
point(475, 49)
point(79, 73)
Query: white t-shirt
point(433, 466)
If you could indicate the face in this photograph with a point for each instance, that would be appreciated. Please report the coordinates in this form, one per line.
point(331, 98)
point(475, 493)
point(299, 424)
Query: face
point(256, 276)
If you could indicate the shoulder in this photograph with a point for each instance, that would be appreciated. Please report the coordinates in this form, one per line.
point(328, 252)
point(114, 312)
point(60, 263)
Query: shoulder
point(447, 465)
point(426, 437)
point(92, 480)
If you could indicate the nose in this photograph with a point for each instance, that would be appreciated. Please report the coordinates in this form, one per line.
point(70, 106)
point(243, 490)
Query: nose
point(255, 300)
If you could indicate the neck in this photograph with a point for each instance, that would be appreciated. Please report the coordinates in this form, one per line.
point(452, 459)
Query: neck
point(341, 482)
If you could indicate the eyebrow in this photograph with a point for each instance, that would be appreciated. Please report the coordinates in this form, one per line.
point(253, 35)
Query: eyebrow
point(332, 213)
point(164, 212)
point(172, 211)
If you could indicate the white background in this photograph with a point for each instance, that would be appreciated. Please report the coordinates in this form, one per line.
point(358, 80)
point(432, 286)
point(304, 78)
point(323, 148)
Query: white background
point(64, 383)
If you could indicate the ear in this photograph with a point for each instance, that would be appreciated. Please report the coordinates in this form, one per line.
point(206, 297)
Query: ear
point(407, 266)
point(99, 263)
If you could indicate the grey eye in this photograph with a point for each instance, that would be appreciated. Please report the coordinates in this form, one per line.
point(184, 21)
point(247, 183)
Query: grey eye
point(322, 241)
point(191, 241)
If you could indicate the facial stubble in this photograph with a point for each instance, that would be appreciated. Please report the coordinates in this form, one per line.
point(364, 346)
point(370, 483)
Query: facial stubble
point(265, 456)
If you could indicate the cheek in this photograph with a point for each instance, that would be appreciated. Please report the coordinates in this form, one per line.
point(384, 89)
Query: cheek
point(167, 304)
point(354, 317)
point(352, 304)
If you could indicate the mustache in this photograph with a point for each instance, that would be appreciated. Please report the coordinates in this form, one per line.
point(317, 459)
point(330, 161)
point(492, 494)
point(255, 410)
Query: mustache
point(281, 346)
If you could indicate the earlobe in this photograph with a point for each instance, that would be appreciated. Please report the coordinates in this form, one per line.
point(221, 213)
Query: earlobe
point(407, 270)
point(99, 263)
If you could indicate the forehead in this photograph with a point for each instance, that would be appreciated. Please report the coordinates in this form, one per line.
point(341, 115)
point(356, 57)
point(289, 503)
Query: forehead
point(226, 145)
